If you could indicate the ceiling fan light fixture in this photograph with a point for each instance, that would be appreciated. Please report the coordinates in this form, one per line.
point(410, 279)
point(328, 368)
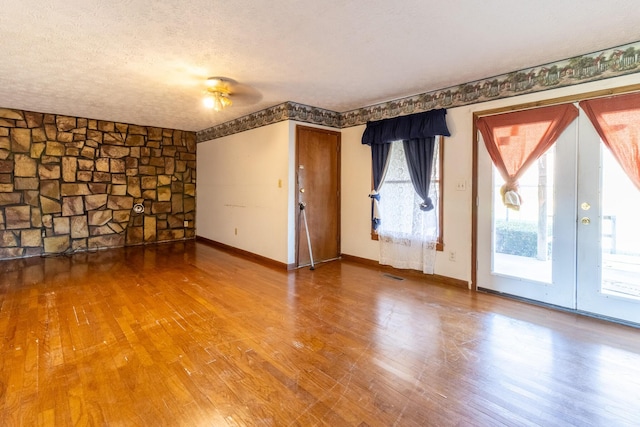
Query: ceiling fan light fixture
point(217, 101)
point(217, 94)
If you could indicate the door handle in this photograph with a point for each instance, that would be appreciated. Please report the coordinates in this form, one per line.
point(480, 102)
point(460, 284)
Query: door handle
point(585, 220)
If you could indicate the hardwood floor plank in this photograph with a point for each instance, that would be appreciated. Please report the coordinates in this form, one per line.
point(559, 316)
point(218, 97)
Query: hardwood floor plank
point(187, 334)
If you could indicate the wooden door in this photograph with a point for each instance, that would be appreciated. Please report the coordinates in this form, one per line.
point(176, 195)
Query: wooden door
point(318, 187)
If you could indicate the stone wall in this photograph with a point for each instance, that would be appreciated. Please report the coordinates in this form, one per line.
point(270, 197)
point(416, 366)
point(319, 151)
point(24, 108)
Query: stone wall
point(69, 184)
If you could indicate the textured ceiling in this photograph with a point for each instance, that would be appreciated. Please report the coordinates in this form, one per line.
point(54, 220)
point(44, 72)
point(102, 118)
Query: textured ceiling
point(145, 62)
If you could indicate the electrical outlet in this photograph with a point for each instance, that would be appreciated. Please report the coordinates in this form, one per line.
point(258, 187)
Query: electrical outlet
point(452, 256)
point(186, 223)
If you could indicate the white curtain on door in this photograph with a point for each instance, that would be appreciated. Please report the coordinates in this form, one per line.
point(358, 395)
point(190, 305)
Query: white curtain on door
point(407, 234)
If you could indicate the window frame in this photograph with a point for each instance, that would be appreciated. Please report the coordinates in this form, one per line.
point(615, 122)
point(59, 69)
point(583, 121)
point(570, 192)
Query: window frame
point(440, 183)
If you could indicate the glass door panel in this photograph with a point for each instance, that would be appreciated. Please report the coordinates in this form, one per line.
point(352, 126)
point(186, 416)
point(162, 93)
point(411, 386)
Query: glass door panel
point(620, 231)
point(523, 239)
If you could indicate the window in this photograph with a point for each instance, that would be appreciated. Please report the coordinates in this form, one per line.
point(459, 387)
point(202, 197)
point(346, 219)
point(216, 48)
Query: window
point(398, 192)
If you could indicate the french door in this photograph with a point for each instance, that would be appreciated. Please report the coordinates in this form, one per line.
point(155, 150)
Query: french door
point(575, 242)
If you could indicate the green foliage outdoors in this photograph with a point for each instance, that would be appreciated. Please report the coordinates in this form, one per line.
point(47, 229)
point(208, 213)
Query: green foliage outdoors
point(517, 238)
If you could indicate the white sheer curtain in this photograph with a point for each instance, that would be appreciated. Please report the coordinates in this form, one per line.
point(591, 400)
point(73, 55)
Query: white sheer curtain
point(407, 235)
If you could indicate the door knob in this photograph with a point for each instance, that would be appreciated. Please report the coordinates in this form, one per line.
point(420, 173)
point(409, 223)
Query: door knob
point(585, 220)
point(302, 190)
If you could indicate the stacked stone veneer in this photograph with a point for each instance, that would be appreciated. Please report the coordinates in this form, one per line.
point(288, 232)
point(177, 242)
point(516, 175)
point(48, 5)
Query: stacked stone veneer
point(69, 184)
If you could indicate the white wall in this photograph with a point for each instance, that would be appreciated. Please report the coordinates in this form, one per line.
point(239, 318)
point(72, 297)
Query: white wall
point(355, 201)
point(246, 181)
point(243, 184)
point(458, 157)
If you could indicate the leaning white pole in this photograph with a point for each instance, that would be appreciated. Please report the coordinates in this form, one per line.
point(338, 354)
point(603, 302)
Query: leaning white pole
point(306, 227)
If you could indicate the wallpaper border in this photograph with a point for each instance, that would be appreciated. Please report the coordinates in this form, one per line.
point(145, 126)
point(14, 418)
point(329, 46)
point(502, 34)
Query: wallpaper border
point(285, 111)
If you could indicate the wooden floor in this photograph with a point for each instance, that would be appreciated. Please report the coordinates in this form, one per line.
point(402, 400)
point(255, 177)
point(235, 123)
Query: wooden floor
point(186, 335)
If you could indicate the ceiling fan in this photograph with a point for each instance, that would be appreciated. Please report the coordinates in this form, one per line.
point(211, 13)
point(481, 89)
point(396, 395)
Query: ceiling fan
point(219, 92)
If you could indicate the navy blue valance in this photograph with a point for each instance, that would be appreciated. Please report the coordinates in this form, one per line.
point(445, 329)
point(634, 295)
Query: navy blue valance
point(413, 126)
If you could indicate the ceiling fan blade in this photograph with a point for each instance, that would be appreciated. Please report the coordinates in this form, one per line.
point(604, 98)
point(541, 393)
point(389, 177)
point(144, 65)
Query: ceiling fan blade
point(244, 94)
